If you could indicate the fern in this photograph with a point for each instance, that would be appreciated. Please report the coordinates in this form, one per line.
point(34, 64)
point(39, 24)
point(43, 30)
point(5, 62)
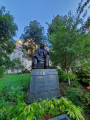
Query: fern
point(52, 107)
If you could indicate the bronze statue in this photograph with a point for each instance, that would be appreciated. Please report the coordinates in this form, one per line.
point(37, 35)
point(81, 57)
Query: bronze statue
point(41, 58)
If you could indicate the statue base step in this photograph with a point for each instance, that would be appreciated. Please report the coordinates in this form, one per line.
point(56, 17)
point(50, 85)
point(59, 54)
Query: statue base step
point(44, 84)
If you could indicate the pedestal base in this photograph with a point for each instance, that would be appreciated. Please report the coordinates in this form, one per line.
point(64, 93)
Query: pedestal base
point(44, 84)
point(61, 117)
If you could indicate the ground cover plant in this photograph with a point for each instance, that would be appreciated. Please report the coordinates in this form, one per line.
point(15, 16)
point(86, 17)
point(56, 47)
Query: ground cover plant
point(79, 98)
point(76, 84)
point(13, 88)
point(35, 111)
point(83, 74)
point(13, 102)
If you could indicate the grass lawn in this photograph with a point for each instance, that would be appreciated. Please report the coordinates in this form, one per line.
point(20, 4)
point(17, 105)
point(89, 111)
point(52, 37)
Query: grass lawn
point(13, 80)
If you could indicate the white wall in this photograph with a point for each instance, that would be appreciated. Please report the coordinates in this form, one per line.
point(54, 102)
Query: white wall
point(17, 53)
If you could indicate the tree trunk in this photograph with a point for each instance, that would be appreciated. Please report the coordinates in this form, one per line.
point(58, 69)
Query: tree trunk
point(68, 80)
point(68, 76)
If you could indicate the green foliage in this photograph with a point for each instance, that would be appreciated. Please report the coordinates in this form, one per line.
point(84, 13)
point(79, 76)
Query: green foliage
point(75, 84)
point(74, 94)
point(15, 94)
point(13, 80)
point(62, 75)
point(45, 107)
point(80, 99)
point(13, 91)
point(34, 30)
point(2, 70)
point(13, 107)
point(67, 41)
point(85, 98)
point(7, 32)
point(71, 75)
point(84, 74)
point(4, 109)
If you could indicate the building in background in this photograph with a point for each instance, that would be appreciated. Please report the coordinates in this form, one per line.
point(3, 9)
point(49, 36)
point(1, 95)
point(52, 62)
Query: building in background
point(17, 53)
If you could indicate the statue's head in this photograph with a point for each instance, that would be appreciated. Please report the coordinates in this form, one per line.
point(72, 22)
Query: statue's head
point(42, 45)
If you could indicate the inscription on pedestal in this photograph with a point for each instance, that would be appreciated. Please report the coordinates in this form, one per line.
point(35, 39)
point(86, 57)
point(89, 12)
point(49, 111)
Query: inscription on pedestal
point(44, 84)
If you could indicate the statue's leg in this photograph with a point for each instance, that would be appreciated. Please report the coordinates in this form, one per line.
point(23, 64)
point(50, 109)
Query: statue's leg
point(34, 63)
point(47, 62)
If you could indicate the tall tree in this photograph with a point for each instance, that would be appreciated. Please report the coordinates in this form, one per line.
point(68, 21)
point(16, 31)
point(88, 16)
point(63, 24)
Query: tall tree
point(67, 40)
point(33, 34)
point(68, 37)
point(7, 32)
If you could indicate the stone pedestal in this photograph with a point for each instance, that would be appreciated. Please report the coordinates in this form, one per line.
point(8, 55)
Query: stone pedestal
point(44, 84)
point(61, 117)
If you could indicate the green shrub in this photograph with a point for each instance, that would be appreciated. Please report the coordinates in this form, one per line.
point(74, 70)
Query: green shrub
point(75, 84)
point(71, 75)
point(15, 93)
point(62, 75)
point(85, 98)
point(2, 70)
point(81, 99)
point(4, 105)
point(53, 107)
point(34, 111)
point(74, 94)
point(84, 74)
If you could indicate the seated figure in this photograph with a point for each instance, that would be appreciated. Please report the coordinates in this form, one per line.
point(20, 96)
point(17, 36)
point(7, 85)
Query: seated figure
point(41, 58)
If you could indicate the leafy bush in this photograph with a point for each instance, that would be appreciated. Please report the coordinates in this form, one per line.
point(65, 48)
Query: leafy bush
point(74, 94)
point(35, 111)
point(4, 109)
point(81, 99)
point(75, 84)
point(71, 75)
point(53, 107)
point(62, 75)
point(85, 98)
point(15, 93)
point(2, 70)
point(84, 74)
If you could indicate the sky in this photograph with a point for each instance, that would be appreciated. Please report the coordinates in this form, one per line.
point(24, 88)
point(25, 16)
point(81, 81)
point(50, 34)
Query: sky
point(43, 11)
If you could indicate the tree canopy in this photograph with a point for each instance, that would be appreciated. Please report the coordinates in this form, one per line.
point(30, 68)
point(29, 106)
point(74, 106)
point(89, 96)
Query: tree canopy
point(7, 32)
point(67, 39)
point(34, 30)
